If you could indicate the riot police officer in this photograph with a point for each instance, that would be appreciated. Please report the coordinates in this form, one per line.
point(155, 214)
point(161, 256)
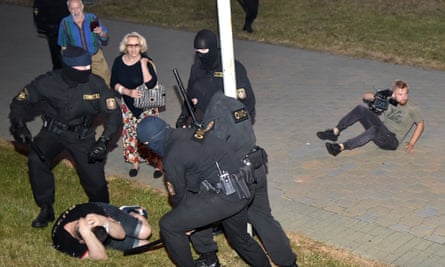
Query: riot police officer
point(47, 15)
point(232, 125)
point(206, 77)
point(71, 98)
point(206, 185)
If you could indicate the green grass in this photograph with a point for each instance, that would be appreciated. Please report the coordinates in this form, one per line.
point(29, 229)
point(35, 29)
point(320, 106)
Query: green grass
point(23, 245)
point(399, 31)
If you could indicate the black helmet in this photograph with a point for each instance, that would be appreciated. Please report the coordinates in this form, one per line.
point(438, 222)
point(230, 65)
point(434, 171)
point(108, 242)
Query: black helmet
point(152, 131)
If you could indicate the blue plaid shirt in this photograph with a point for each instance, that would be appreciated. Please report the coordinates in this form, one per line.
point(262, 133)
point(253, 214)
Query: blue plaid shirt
point(71, 35)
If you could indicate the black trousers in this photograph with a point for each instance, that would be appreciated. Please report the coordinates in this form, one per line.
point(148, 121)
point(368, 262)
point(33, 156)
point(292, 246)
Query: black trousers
point(251, 9)
point(269, 230)
point(92, 176)
point(201, 210)
point(54, 48)
point(375, 130)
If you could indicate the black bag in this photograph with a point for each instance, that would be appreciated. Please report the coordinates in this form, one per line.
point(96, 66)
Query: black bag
point(151, 98)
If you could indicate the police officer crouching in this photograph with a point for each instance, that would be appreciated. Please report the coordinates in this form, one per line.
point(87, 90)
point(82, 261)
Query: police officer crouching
point(206, 184)
point(70, 99)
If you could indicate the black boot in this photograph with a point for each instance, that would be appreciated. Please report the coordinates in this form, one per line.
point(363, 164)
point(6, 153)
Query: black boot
point(207, 260)
point(45, 216)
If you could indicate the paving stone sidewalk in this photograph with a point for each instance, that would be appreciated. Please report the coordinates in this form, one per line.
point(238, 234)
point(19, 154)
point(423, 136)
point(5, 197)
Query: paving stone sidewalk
point(386, 206)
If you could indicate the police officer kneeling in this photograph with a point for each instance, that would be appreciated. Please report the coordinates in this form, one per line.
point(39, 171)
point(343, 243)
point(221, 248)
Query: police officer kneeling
point(69, 99)
point(207, 184)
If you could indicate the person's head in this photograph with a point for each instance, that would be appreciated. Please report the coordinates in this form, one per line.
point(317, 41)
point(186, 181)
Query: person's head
point(206, 48)
point(400, 92)
point(76, 64)
point(152, 131)
point(99, 231)
point(75, 8)
point(133, 43)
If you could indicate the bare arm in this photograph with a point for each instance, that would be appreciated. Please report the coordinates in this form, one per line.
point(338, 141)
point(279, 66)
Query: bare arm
point(416, 135)
point(96, 249)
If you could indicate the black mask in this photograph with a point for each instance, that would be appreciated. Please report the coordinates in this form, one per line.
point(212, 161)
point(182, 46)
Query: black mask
point(205, 39)
point(79, 76)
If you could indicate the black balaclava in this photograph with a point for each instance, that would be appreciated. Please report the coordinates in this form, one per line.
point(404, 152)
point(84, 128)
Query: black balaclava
point(206, 39)
point(76, 56)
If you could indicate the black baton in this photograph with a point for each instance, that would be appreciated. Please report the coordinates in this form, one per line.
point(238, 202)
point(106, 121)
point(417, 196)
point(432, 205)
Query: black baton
point(140, 249)
point(186, 100)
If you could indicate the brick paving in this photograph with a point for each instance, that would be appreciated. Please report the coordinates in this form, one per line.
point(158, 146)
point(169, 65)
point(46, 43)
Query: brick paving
point(384, 205)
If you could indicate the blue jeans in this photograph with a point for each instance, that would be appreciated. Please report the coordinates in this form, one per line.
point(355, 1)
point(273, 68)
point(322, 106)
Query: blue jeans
point(375, 130)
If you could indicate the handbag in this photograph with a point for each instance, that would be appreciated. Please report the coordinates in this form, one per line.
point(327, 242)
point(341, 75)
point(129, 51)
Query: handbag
point(151, 98)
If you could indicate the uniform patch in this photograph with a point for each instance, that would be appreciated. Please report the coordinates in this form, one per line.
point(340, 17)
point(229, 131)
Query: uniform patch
point(201, 132)
point(241, 93)
point(240, 115)
point(91, 97)
point(170, 188)
point(23, 95)
point(218, 74)
point(111, 103)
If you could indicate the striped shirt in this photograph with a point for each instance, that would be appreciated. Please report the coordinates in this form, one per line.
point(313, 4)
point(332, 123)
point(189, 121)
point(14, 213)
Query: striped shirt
point(70, 34)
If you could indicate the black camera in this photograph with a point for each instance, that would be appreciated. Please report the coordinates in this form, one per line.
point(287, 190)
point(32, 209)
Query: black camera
point(382, 99)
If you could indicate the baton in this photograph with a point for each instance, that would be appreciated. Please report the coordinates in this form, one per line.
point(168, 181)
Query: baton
point(140, 249)
point(186, 100)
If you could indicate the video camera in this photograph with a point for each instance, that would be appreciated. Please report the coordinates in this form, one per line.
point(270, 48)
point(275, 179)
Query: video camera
point(382, 99)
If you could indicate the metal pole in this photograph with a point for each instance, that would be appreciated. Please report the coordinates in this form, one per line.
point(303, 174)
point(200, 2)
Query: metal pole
point(226, 40)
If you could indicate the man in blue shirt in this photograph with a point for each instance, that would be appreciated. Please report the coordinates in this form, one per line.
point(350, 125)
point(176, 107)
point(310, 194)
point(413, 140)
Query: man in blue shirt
point(86, 31)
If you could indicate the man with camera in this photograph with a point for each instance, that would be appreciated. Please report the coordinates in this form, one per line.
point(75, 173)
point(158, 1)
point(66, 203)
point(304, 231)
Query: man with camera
point(387, 133)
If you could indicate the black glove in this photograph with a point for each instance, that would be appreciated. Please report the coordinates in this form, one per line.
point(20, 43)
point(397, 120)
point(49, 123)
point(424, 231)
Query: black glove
point(98, 151)
point(181, 121)
point(21, 133)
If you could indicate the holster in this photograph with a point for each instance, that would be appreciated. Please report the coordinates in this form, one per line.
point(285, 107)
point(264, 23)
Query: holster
point(79, 130)
point(256, 158)
point(232, 183)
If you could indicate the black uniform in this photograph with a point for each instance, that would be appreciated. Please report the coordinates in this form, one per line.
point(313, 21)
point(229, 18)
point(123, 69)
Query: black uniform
point(188, 161)
point(206, 78)
point(68, 114)
point(47, 15)
point(239, 138)
point(251, 9)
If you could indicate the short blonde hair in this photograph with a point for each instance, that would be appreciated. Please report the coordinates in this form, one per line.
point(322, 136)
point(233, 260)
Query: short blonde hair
point(142, 42)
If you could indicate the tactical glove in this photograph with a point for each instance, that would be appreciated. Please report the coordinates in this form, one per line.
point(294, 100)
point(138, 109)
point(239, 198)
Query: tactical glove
point(21, 133)
point(98, 151)
point(181, 121)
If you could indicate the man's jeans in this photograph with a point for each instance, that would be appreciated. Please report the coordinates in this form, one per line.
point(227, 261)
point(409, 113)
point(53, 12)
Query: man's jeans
point(375, 130)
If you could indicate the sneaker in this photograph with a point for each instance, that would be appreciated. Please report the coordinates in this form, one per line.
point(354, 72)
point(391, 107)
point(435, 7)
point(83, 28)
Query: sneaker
point(333, 149)
point(327, 135)
point(136, 209)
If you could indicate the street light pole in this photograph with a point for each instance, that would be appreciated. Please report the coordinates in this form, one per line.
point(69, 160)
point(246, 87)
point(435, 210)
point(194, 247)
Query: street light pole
point(226, 41)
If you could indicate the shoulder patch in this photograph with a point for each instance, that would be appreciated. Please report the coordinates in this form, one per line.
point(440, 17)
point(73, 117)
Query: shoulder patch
point(240, 115)
point(111, 103)
point(23, 95)
point(218, 74)
point(200, 133)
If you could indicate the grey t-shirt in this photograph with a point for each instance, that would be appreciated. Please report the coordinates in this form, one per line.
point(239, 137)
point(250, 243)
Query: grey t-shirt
point(399, 119)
